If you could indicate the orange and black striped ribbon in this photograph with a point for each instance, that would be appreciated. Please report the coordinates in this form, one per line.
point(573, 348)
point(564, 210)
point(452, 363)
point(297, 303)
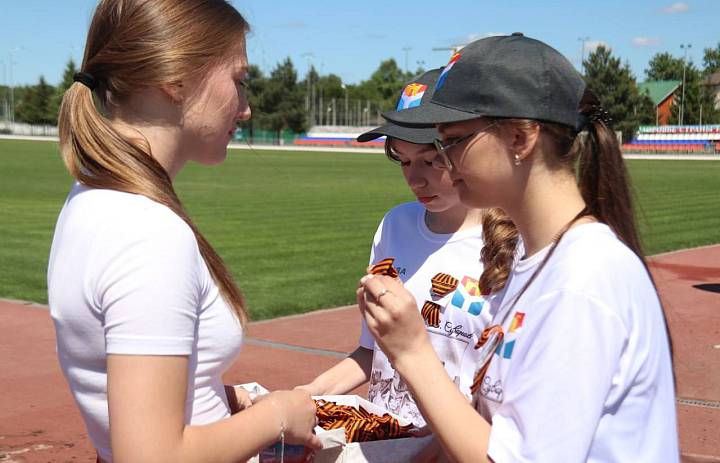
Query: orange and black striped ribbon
point(484, 337)
point(360, 425)
point(385, 267)
point(443, 284)
point(431, 313)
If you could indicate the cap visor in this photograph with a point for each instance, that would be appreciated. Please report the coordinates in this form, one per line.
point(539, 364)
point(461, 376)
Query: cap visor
point(419, 135)
point(428, 115)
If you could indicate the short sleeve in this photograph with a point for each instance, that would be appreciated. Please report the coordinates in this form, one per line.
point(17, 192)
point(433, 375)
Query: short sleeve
point(561, 373)
point(148, 291)
point(376, 253)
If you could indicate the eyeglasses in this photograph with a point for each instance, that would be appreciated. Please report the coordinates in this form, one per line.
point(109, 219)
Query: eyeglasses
point(443, 148)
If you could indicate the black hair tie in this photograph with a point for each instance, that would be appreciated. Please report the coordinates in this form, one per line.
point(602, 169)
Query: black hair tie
point(598, 113)
point(86, 79)
point(592, 115)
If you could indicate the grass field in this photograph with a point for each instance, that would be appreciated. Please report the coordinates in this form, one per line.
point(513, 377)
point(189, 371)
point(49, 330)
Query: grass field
point(295, 227)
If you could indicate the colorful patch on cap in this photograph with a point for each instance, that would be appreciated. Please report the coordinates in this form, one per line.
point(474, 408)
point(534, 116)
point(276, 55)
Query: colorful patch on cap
point(444, 73)
point(411, 96)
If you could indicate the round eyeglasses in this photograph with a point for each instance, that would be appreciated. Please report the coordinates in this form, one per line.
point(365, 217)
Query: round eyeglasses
point(443, 148)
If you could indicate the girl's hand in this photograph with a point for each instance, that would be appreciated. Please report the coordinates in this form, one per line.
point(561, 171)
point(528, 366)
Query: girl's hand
point(296, 414)
point(238, 398)
point(392, 317)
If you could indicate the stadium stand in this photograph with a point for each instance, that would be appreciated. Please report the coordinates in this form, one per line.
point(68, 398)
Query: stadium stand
point(652, 139)
point(327, 135)
point(676, 139)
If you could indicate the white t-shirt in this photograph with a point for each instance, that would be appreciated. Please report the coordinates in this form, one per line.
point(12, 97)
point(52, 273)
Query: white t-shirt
point(584, 372)
point(126, 277)
point(419, 255)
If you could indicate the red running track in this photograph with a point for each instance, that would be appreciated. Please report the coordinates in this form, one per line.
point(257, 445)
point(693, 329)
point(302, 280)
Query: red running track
point(39, 422)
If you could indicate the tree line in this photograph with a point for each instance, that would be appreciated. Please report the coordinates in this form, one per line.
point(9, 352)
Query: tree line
point(282, 102)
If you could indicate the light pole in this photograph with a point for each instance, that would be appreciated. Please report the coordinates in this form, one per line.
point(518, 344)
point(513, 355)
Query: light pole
point(685, 47)
point(309, 97)
point(5, 93)
point(407, 51)
point(582, 40)
point(344, 87)
point(12, 63)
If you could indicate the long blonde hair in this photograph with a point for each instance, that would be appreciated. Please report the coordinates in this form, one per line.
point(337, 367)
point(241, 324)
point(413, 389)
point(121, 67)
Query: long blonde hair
point(136, 44)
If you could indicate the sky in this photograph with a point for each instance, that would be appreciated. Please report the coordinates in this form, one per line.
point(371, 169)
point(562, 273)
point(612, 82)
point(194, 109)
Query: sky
point(350, 39)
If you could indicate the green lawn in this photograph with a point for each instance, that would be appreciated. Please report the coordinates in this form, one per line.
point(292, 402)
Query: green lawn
point(295, 227)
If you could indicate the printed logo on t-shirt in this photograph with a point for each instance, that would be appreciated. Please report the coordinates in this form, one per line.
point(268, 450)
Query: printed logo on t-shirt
point(468, 297)
point(492, 385)
point(394, 394)
point(505, 349)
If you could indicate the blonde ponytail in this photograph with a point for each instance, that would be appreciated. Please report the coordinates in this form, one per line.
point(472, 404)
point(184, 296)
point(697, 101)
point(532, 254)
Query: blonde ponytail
point(121, 58)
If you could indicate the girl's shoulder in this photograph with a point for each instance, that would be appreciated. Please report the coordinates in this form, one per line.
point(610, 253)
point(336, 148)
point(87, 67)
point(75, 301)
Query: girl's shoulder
point(594, 245)
point(121, 217)
point(592, 262)
point(119, 207)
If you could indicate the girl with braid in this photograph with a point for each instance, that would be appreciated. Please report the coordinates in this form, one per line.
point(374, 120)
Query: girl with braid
point(435, 245)
point(147, 316)
point(576, 361)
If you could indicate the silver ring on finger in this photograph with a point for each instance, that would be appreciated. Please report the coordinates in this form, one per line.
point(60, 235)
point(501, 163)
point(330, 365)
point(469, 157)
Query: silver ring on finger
point(382, 293)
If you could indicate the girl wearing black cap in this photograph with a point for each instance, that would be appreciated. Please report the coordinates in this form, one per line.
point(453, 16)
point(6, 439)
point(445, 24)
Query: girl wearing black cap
point(576, 362)
point(435, 243)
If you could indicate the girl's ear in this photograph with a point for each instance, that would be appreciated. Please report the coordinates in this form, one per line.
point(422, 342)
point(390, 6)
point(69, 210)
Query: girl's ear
point(174, 91)
point(523, 140)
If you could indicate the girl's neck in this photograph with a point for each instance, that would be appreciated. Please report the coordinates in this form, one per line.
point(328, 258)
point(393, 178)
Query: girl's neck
point(148, 118)
point(544, 210)
point(453, 220)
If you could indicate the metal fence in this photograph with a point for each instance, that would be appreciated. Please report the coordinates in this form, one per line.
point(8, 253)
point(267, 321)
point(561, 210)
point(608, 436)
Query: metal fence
point(19, 128)
point(342, 112)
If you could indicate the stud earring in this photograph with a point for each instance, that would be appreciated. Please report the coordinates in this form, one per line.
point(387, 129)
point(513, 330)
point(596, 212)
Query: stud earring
point(517, 160)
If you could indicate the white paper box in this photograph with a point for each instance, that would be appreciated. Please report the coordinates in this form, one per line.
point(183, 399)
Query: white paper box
point(253, 389)
point(336, 449)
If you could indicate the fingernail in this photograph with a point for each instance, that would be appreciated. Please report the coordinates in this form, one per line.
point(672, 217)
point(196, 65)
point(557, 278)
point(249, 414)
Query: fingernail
point(365, 278)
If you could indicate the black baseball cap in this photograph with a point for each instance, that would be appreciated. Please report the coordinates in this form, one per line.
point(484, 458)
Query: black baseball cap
point(416, 93)
point(504, 76)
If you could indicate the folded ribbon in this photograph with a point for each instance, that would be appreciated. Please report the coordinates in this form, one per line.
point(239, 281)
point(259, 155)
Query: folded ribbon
point(443, 284)
point(360, 425)
point(385, 267)
point(431, 313)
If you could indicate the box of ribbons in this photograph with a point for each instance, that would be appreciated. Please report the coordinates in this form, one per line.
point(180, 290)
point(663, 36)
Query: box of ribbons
point(353, 429)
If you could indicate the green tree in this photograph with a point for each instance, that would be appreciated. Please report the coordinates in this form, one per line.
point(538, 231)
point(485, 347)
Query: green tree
point(386, 82)
point(663, 66)
point(65, 83)
point(282, 100)
point(711, 60)
point(615, 86)
point(311, 95)
point(698, 99)
point(35, 107)
point(255, 90)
